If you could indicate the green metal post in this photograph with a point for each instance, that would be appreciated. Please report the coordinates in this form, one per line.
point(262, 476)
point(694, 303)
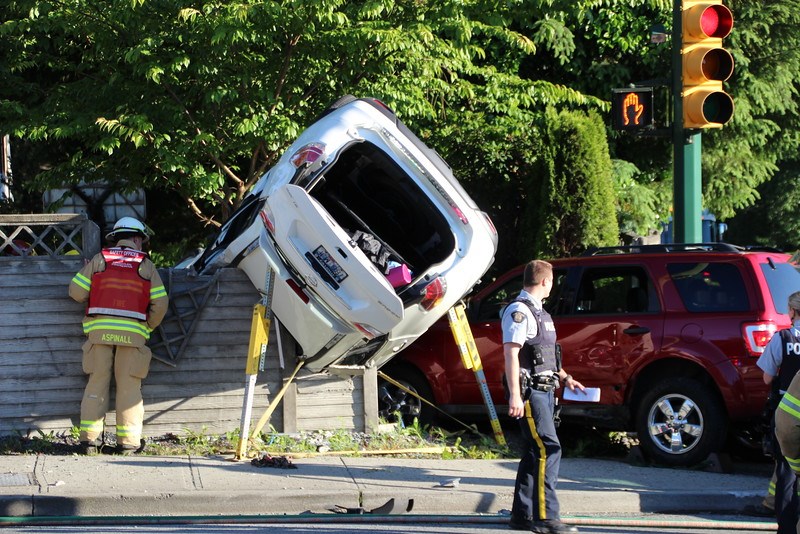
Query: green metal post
point(686, 147)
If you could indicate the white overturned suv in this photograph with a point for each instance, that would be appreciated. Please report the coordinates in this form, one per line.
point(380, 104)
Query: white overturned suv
point(369, 235)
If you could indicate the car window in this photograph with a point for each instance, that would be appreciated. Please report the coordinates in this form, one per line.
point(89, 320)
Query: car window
point(709, 287)
point(554, 304)
point(492, 305)
point(618, 289)
point(783, 279)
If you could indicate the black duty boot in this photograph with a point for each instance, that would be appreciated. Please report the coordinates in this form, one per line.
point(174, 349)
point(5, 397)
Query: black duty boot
point(520, 523)
point(552, 526)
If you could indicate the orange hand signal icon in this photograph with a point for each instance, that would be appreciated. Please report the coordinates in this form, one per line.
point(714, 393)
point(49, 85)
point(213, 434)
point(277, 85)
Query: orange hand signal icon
point(631, 109)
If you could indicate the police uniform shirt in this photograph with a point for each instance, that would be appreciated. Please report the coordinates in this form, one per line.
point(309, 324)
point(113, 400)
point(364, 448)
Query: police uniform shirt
point(770, 361)
point(518, 324)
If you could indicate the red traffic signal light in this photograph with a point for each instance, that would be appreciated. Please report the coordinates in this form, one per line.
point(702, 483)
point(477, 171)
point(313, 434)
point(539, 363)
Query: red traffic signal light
point(705, 64)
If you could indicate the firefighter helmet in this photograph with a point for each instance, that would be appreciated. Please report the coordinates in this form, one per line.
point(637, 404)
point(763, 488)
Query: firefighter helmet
point(128, 226)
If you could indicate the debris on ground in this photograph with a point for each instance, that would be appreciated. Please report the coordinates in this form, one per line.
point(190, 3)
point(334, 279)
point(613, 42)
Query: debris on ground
point(267, 460)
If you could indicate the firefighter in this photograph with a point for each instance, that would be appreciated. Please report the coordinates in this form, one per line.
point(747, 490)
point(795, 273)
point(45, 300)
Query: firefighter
point(126, 300)
point(787, 430)
point(780, 363)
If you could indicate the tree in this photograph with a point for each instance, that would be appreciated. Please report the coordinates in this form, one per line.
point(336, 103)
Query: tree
point(201, 97)
point(773, 220)
point(574, 210)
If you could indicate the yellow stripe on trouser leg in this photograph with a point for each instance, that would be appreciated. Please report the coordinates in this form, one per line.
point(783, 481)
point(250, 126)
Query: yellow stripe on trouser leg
point(97, 363)
point(540, 475)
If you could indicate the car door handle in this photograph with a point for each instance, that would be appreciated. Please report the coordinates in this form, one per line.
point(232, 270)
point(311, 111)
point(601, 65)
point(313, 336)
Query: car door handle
point(636, 330)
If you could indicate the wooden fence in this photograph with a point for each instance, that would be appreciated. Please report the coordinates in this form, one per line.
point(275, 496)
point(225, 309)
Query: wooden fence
point(196, 383)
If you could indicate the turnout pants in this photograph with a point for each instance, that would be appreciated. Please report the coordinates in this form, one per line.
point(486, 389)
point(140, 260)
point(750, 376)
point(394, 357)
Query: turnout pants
point(787, 502)
point(130, 365)
point(537, 474)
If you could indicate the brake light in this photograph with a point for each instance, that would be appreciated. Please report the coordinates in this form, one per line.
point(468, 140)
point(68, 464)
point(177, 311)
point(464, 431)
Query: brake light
point(489, 222)
point(297, 289)
point(757, 336)
point(367, 330)
point(307, 154)
point(266, 218)
point(433, 294)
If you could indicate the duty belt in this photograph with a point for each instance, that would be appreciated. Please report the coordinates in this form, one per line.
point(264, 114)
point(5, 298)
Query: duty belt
point(538, 382)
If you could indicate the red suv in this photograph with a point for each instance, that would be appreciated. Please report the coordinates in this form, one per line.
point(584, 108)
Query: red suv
point(669, 333)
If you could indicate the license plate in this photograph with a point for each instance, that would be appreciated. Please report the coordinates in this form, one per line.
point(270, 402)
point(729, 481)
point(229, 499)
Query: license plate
point(329, 264)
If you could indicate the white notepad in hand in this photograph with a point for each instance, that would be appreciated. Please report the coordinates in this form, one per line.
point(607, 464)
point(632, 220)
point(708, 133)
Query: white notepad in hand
point(590, 395)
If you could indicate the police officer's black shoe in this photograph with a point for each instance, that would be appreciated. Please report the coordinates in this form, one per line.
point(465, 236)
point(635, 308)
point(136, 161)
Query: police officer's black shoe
point(88, 448)
point(519, 523)
point(552, 526)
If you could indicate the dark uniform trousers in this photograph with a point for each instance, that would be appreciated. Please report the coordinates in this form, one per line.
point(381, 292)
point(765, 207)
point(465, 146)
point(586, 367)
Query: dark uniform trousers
point(537, 475)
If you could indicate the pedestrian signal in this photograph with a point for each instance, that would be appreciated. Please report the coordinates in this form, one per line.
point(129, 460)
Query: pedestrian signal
point(705, 64)
point(632, 108)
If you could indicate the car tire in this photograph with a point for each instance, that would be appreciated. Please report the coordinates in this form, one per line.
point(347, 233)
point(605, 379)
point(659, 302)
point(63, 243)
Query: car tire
point(393, 401)
point(680, 422)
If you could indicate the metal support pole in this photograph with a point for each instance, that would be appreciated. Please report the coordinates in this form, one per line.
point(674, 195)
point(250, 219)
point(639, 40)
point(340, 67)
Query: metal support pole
point(686, 145)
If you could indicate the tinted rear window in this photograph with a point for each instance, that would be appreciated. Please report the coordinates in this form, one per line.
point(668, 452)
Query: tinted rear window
point(783, 279)
point(710, 287)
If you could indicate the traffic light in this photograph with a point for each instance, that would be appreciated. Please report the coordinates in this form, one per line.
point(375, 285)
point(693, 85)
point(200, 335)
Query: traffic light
point(705, 64)
point(632, 108)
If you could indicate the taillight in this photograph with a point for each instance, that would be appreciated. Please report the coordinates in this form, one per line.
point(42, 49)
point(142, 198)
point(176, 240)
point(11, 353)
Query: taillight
point(298, 290)
point(266, 218)
point(307, 154)
point(434, 293)
point(489, 222)
point(367, 330)
point(757, 336)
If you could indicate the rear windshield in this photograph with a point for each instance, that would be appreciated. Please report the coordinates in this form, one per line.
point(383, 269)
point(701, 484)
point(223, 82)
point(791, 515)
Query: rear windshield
point(710, 287)
point(783, 279)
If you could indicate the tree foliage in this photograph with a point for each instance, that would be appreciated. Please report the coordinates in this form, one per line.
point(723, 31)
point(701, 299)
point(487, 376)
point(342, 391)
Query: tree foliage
point(202, 97)
point(574, 208)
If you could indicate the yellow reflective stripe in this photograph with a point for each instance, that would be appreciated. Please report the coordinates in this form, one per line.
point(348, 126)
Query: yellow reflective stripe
point(82, 281)
point(124, 431)
point(118, 323)
point(771, 488)
point(542, 459)
point(790, 405)
point(96, 426)
point(157, 292)
point(794, 463)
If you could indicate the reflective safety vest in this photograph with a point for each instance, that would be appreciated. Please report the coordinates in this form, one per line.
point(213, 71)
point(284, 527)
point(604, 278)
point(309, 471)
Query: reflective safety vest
point(120, 290)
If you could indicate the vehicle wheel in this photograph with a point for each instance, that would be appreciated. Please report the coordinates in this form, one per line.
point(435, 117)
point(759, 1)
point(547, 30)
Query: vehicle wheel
point(393, 401)
point(680, 422)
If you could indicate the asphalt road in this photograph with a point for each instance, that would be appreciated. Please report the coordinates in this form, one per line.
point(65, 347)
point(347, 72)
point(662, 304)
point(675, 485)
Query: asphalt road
point(442, 525)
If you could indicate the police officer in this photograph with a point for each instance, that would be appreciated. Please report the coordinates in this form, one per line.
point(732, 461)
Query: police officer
point(125, 300)
point(780, 362)
point(529, 347)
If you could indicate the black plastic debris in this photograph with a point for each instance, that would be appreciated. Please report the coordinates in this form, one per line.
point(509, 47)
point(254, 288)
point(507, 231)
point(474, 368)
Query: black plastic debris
point(267, 460)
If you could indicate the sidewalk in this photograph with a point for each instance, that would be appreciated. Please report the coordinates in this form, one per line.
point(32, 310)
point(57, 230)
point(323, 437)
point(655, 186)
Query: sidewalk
point(102, 485)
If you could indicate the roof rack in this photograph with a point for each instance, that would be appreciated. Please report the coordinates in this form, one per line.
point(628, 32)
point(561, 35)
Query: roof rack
point(666, 247)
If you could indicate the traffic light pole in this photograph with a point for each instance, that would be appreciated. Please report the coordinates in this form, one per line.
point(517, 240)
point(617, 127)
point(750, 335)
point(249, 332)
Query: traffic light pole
point(686, 145)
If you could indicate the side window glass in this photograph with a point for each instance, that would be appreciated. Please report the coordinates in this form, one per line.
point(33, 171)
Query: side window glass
point(709, 287)
point(555, 303)
point(621, 289)
point(492, 306)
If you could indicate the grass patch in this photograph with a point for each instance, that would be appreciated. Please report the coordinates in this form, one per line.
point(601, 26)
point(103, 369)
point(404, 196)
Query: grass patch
point(411, 441)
